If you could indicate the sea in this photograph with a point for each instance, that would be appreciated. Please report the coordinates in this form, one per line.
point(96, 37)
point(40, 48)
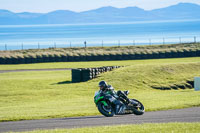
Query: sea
point(16, 37)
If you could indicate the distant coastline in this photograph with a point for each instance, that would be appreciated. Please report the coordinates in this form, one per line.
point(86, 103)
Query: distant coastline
point(181, 11)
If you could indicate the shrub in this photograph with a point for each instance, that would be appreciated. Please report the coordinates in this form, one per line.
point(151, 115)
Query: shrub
point(63, 57)
point(32, 58)
point(58, 57)
point(52, 57)
point(2, 60)
point(45, 57)
point(155, 54)
point(99, 53)
point(180, 52)
point(39, 58)
point(70, 56)
point(174, 53)
point(21, 59)
point(13, 59)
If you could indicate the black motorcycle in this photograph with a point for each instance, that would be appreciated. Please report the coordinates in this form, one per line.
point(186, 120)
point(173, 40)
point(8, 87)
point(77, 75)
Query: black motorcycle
point(107, 108)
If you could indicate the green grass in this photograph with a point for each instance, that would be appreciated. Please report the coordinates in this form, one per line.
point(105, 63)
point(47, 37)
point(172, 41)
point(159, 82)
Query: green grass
point(140, 128)
point(50, 94)
point(97, 63)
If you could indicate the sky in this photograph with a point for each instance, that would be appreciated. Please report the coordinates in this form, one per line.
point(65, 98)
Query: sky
point(44, 6)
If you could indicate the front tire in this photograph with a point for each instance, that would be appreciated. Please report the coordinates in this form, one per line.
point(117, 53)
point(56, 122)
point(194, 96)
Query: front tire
point(139, 108)
point(105, 110)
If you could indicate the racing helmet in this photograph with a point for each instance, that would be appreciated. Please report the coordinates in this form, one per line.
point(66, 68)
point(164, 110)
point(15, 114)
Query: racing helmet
point(103, 85)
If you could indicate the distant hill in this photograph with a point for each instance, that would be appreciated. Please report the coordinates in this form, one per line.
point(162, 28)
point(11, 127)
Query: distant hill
point(180, 11)
point(102, 15)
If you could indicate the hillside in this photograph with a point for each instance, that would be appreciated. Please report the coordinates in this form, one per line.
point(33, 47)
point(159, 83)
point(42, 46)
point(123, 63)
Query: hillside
point(181, 11)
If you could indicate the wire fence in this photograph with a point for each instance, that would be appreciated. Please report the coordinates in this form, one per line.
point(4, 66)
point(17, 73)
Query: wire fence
point(100, 43)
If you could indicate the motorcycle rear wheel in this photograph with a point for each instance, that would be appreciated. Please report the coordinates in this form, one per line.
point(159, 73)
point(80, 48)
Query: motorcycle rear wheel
point(105, 110)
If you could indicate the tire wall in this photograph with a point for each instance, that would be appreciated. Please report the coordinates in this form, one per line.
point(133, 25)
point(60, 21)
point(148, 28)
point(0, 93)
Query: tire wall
point(85, 74)
point(124, 56)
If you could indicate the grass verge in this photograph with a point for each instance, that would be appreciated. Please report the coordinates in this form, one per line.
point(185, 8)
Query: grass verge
point(98, 63)
point(140, 128)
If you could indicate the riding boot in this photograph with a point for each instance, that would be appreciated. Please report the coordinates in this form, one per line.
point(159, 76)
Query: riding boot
point(126, 98)
point(126, 92)
point(128, 101)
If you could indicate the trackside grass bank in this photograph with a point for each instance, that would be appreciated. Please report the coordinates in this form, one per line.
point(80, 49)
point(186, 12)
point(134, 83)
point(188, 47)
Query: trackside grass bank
point(97, 63)
point(141, 128)
point(51, 94)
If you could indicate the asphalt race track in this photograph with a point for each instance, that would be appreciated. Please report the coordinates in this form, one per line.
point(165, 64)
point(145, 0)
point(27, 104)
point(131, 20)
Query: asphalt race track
point(178, 115)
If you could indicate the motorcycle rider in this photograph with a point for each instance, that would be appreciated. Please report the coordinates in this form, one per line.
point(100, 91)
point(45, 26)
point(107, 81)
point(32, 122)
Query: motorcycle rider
point(113, 96)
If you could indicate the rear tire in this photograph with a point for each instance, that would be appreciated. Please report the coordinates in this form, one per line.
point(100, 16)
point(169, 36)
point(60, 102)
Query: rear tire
point(139, 109)
point(105, 110)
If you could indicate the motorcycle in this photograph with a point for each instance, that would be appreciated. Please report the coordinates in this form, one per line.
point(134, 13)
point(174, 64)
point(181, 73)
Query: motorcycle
point(107, 108)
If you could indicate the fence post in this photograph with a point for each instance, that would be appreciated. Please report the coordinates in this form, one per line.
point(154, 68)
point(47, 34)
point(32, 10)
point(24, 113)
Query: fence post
point(149, 41)
point(102, 43)
point(70, 44)
point(118, 43)
point(85, 44)
point(134, 42)
point(163, 40)
point(54, 44)
point(6, 47)
point(38, 45)
point(194, 39)
point(180, 40)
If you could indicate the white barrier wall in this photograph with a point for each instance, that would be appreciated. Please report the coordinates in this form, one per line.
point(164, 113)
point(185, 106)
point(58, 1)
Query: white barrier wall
point(197, 83)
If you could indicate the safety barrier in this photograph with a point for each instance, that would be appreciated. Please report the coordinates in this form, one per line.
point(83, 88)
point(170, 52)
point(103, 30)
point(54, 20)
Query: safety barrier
point(85, 74)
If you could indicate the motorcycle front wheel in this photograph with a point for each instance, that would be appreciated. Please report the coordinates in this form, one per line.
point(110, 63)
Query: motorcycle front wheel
point(138, 109)
point(105, 110)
